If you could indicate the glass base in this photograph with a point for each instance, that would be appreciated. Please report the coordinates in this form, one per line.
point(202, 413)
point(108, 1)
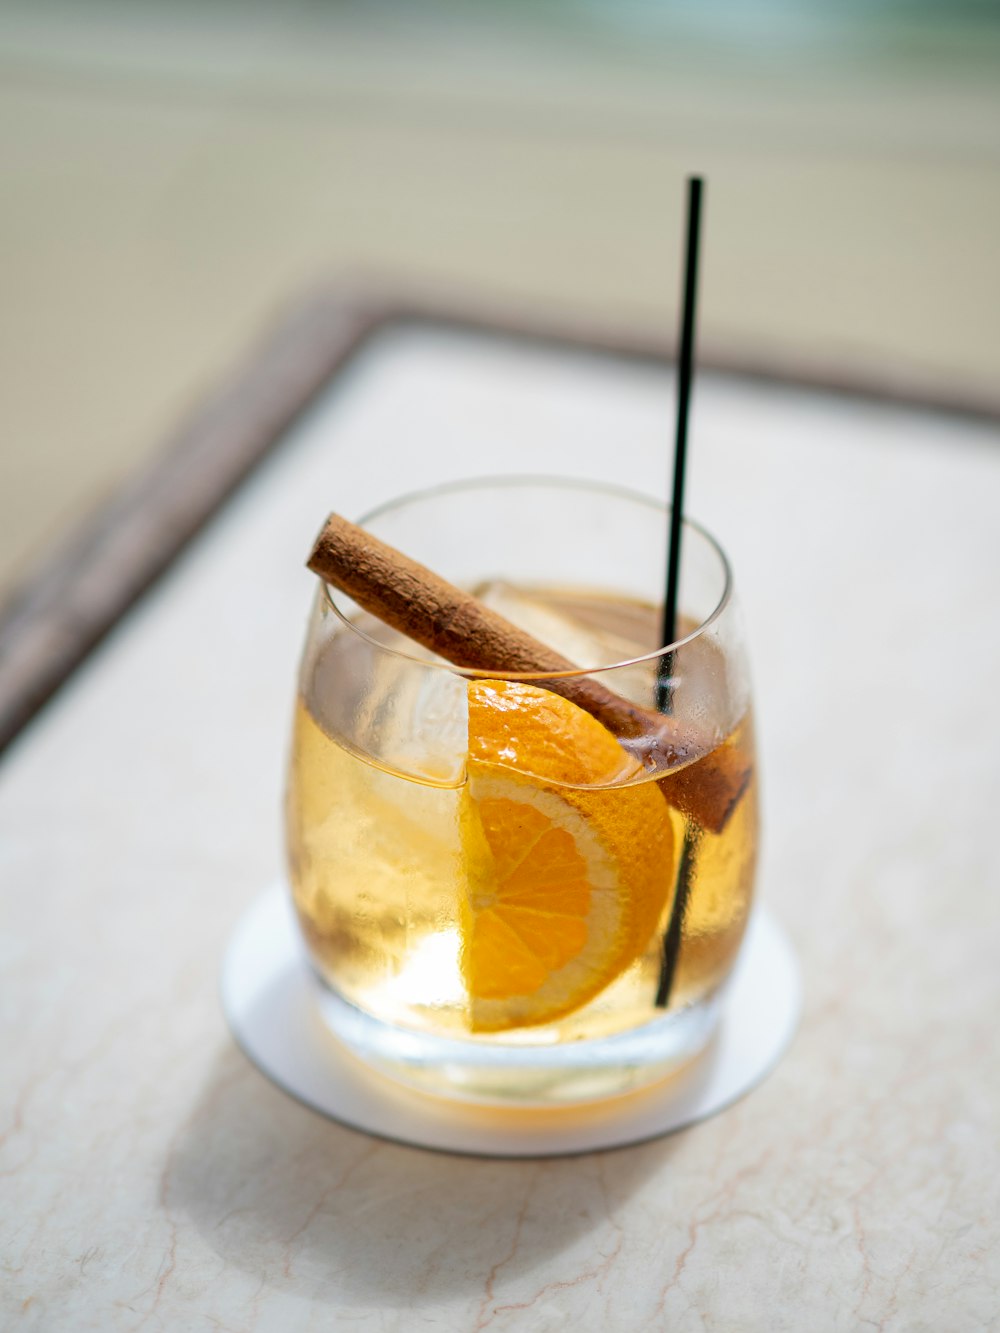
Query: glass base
point(581, 1071)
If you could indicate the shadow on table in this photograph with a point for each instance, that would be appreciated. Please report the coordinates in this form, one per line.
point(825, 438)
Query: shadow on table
point(328, 1213)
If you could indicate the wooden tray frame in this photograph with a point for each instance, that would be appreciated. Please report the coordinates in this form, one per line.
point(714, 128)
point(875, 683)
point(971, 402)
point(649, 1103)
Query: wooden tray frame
point(52, 622)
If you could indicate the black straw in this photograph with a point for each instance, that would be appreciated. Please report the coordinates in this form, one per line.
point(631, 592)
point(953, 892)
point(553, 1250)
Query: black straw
point(672, 939)
point(684, 371)
point(664, 686)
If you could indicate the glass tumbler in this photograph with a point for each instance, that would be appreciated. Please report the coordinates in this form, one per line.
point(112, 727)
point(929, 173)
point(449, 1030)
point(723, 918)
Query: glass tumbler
point(506, 894)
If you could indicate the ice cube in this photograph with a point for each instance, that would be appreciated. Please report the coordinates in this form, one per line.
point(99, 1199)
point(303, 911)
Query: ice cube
point(585, 644)
point(408, 716)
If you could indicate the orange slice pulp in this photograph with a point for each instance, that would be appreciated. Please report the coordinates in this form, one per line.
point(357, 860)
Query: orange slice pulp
point(568, 874)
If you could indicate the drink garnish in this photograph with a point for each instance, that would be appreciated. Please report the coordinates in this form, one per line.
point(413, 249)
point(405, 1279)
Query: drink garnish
point(566, 881)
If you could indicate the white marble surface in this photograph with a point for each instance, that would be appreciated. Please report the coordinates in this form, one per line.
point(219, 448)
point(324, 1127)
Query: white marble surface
point(153, 1180)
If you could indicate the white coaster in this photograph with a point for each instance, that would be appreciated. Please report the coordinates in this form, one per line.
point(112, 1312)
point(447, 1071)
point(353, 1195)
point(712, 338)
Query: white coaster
point(268, 994)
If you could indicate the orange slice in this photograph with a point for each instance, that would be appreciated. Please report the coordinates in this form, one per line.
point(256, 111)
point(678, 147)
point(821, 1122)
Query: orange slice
point(566, 882)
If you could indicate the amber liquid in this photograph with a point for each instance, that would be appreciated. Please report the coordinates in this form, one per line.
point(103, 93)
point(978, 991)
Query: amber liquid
point(378, 880)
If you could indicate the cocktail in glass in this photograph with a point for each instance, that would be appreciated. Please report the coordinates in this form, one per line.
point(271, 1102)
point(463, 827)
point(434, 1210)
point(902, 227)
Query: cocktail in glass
point(504, 896)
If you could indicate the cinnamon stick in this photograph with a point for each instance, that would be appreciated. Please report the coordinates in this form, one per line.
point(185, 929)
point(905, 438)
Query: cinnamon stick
point(434, 613)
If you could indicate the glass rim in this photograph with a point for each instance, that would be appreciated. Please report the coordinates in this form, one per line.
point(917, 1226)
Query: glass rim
point(555, 482)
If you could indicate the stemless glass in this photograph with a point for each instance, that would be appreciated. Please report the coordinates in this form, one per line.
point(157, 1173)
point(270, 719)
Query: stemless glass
point(504, 898)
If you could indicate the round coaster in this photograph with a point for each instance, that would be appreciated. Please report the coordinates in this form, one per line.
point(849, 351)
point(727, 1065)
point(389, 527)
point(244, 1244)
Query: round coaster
point(268, 994)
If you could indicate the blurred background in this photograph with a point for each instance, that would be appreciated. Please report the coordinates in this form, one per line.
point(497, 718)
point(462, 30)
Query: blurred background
point(175, 172)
